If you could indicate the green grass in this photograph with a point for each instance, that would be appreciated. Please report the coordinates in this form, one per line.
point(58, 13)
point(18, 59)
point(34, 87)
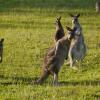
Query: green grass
point(28, 29)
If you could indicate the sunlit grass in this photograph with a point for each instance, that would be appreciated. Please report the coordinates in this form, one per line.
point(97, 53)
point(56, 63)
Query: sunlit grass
point(28, 32)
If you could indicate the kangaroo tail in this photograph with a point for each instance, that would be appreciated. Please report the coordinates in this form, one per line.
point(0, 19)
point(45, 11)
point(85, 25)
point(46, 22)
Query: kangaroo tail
point(43, 77)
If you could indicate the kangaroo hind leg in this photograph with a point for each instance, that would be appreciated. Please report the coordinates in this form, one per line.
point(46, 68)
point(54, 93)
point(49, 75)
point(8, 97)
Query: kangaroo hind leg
point(55, 80)
point(43, 77)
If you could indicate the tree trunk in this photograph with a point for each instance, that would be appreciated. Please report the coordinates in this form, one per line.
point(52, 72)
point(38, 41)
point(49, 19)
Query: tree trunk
point(97, 7)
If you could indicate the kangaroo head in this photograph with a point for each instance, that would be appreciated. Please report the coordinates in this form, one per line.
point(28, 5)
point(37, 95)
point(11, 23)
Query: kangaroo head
point(2, 40)
point(58, 23)
point(71, 32)
point(75, 18)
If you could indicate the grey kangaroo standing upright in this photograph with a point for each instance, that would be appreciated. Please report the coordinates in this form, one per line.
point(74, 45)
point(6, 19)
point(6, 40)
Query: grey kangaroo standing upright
point(1, 50)
point(53, 63)
point(59, 29)
point(77, 49)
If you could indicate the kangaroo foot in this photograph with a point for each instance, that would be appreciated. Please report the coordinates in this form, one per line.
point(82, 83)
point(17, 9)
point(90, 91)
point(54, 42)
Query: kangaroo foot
point(67, 63)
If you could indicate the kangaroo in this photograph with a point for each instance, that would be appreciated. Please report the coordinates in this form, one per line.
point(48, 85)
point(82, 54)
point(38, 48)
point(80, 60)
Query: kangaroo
point(58, 35)
point(54, 61)
point(1, 49)
point(77, 49)
point(59, 29)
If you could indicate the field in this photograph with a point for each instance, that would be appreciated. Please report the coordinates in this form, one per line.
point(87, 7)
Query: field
point(28, 28)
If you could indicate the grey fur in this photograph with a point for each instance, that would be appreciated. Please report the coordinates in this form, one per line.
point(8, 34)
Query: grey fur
point(77, 49)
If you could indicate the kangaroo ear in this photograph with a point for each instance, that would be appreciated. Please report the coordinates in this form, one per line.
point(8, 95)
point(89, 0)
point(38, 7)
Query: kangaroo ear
point(78, 15)
point(71, 15)
point(59, 18)
point(68, 28)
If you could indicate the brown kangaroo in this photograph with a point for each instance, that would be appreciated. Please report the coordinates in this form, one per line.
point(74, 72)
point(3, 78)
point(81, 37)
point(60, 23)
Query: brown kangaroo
point(1, 49)
point(55, 58)
point(59, 29)
point(58, 35)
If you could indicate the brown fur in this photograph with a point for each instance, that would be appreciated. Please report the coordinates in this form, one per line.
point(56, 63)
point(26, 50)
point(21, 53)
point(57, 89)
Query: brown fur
point(58, 35)
point(54, 59)
point(59, 30)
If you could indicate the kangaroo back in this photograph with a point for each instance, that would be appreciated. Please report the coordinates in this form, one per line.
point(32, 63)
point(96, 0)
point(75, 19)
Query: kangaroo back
point(55, 57)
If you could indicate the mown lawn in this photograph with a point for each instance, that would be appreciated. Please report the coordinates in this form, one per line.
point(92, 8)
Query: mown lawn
point(28, 29)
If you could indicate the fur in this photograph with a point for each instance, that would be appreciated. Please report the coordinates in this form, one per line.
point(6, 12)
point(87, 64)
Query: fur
point(77, 49)
point(54, 59)
point(59, 29)
point(1, 49)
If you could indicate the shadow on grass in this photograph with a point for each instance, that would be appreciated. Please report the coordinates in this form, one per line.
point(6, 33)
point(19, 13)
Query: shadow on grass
point(16, 80)
point(29, 81)
point(83, 83)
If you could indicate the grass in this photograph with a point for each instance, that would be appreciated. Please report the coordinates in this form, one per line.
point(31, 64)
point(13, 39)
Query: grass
point(28, 29)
